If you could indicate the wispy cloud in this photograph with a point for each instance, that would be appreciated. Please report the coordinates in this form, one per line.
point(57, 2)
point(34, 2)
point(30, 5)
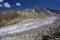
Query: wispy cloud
point(1, 0)
point(18, 4)
point(6, 4)
point(1, 5)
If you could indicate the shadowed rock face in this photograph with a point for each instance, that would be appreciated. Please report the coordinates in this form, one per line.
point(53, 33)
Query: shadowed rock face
point(54, 11)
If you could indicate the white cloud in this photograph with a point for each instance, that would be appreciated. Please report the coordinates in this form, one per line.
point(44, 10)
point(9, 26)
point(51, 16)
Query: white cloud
point(6, 4)
point(1, 5)
point(18, 4)
point(1, 0)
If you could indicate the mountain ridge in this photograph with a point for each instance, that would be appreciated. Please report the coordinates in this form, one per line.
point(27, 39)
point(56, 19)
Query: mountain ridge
point(12, 16)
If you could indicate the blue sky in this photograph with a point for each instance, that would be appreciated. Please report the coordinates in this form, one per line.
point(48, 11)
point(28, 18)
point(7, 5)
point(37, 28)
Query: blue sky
point(23, 4)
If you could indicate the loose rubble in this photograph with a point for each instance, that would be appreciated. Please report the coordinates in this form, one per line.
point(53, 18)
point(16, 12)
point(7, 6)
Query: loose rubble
point(50, 34)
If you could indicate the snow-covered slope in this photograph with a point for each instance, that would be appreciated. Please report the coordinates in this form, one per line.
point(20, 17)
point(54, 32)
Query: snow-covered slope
point(26, 25)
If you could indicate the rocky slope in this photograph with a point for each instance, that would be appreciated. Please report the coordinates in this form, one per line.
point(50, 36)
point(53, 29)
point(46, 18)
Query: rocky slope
point(11, 17)
point(46, 29)
point(36, 24)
